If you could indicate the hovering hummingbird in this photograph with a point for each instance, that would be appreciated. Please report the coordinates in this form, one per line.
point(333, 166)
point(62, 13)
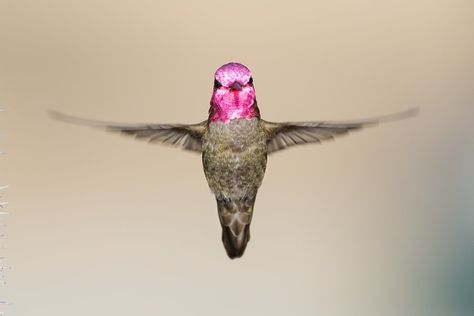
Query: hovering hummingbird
point(235, 142)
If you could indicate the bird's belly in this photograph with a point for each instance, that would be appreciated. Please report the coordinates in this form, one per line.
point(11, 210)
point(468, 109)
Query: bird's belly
point(234, 165)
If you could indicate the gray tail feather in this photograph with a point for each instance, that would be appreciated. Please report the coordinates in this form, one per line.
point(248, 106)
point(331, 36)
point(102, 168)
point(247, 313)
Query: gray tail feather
point(235, 217)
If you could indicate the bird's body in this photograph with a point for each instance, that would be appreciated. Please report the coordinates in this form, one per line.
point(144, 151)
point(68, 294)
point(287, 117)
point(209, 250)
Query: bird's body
point(234, 158)
point(235, 142)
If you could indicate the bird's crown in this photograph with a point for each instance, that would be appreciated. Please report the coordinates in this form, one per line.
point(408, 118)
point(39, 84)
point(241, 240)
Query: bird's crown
point(229, 73)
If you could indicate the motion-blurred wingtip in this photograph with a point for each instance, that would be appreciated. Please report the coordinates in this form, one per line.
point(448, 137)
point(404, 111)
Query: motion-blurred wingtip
point(59, 116)
point(56, 115)
point(411, 112)
point(400, 115)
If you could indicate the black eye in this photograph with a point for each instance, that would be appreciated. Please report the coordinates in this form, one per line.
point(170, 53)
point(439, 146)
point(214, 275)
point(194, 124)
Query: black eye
point(217, 84)
point(250, 83)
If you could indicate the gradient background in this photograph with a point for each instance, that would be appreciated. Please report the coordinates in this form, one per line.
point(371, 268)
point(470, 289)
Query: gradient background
point(377, 223)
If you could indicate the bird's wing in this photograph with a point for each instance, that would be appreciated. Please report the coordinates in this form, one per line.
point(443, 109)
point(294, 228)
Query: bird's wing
point(283, 135)
point(186, 136)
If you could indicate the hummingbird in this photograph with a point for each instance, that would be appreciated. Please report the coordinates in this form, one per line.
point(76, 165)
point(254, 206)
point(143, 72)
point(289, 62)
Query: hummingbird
point(234, 142)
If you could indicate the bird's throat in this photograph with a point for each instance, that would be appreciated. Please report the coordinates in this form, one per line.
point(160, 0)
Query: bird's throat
point(227, 105)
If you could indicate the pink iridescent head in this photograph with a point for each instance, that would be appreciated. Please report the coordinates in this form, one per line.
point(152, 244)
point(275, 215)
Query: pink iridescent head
point(234, 95)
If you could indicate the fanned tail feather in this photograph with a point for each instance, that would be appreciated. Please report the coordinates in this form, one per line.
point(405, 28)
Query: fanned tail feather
point(235, 217)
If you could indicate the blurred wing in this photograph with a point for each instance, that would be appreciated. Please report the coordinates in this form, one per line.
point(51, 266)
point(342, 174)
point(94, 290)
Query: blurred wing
point(283, 135)
point(186, 136)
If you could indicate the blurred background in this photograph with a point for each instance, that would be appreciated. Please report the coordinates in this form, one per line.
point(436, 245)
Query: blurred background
point(377, 223)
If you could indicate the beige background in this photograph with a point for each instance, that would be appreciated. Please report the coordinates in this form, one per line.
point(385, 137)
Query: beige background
point(377, 223)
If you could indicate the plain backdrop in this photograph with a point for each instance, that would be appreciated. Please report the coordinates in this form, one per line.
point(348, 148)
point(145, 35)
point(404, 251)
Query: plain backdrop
point(376, 223)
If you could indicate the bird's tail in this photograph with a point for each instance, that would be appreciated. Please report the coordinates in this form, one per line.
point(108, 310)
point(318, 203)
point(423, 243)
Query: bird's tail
point(235, 217)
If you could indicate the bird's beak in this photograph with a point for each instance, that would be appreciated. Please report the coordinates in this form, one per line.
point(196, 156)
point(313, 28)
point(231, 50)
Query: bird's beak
point(236, 86)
